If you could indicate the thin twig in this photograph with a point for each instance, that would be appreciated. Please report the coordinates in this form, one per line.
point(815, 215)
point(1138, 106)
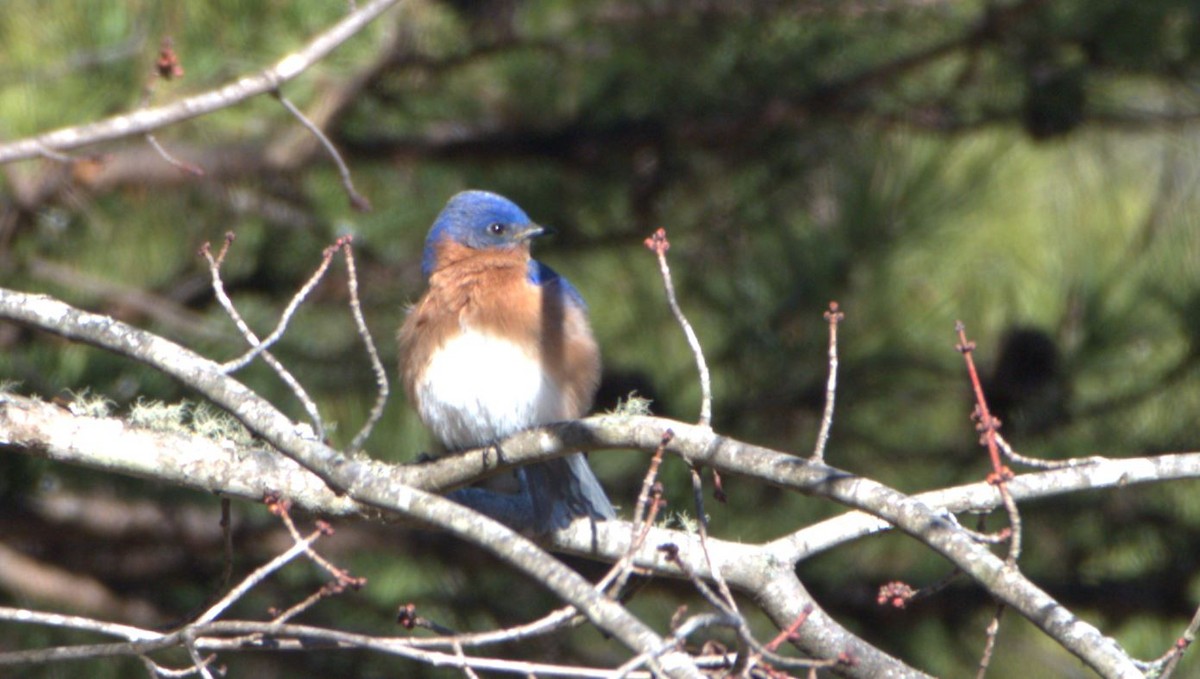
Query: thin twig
point(642, 509)
point(740, 664)
point(833, 316)
point(407, 618)
point(659, 245)
point(113, 629)
point(702, 529)
point(259, 574)
point(458, 650)
point(1002, 535)
point(281, 507)
point(307, 636)
point(555, 620)
point(898, 594)
point(1038, 463)
point(684, 630)
point(166, 67)
point(989, 648)
point(214, 265)
point(738, 623)
point(988, 426)
point(227, 542)
point(645, 512)
point(181, 165)
point(154, 670)
point(300, 606)
point(671, 552)
point(44, 151)
point(1169, 662)
point(357, 200)
point(792, 629)
point(240, 635)
point(381, 380)
point(201, 664)
point(259, 346)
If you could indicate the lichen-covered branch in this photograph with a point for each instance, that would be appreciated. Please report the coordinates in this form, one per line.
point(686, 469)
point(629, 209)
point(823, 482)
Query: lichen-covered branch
point(398, 489)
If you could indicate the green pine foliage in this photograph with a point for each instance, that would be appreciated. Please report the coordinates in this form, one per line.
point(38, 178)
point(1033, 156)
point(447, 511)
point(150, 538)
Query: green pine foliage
point(1027, 169)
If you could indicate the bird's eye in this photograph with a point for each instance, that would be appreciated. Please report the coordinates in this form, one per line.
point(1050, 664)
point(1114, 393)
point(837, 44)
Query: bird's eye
point(495, 228)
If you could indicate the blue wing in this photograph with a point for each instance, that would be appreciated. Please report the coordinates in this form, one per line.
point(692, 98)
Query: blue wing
point(539, 274)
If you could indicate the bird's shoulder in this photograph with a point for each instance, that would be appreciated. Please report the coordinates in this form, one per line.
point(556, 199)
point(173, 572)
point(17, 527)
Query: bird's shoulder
point(542, 276)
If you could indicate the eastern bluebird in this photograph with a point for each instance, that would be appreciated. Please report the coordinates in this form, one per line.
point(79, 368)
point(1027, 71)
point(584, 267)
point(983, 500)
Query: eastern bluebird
point(499, 343)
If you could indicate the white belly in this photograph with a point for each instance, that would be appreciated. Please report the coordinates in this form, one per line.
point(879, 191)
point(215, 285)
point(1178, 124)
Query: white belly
point(479, 388)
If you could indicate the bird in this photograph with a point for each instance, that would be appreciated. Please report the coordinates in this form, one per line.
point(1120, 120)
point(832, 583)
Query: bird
point(500, 342)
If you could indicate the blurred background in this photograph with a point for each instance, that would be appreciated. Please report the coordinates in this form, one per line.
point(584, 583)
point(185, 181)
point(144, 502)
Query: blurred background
point(1027, 167)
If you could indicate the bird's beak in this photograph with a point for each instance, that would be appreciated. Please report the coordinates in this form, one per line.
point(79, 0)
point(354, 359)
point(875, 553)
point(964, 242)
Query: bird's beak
point(531, 231)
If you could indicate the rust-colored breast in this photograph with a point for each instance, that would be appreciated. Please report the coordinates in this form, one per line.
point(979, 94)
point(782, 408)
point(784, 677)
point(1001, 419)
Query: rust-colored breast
point(488, 291)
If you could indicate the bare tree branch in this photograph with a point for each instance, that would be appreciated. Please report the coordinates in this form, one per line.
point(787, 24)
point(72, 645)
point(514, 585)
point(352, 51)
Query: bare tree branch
point(395, 489)
point(150, 119)
point(353, 476)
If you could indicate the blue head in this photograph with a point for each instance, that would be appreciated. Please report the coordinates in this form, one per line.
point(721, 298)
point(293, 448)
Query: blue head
point(480, 220)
